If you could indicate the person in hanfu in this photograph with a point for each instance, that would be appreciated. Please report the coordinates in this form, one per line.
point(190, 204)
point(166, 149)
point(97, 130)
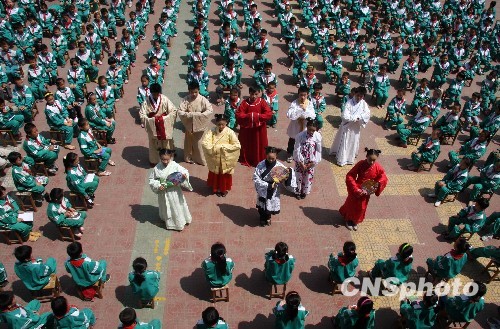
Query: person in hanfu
point(173, 206)
point(397, 267)
point(268, 194)
point(368, 172)
point(344, 265)
point(354, 117)
point(194, 112)
point(299, 111)
point(307, 155)
point(222, 150)
point(158, 115)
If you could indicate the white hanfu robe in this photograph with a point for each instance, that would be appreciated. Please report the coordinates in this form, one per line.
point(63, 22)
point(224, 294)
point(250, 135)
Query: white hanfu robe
point(173, 207)
point(307, 150)
point(298, 114)
point(346, 143)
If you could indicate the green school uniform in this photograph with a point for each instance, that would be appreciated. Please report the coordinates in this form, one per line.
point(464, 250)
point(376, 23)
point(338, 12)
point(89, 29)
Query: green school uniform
point(229, 78)
point(155, 74)
point(448, 123)
point(421, 97)
point(472, 220)
point(34, 273)
point(38, 78)
point(417, 315)
point(273, 102)
point(147, 289)
point(487, 181)
point(339, 270)
point(116, 80)
point(153, 324)
point(221, 324)
point(76, 319)
point(85, 271)
point(202, 79)
point(281, 318)
point(333, 68)
point(381, 84)
point(48, 62)
point(230, 112)
point(346, 319)
point(86, 62)
point(393, 57)
point(3, 273)
point(9, 213)
point(488, 251)
point(440, 73)
point(319, 105)
point(393, 267)
point(56, 212)
point(415, 126)
point(77, 80)
point(65, 97)
point(428, 152)
point(162, 54)
point(300, 63)
point(57, 116)
point(462, 308)
point(23, 99)
point(24, 180)
point(76, 181)
point(106, 98)
point(454, 91)
point(26, 317)
point(409, 73)
point(215, 278)
point(97, 119)
point(11, 120)
point(447, 266)
point(473, 150)
point(278, 271)
point(490, 123)
point(59, 47)
point(38, 149)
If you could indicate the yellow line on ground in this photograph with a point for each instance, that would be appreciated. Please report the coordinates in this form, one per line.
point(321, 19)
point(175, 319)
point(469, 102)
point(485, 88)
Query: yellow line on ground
point(157, 245)
point(167, 247)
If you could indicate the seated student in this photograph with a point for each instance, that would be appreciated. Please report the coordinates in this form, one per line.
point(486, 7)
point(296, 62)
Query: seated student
point(61, 212)
point(85, 271)
point(58, 119)
point(343, 86)
point(266, 76)
point(77, 80)
point(33, 272)
point(115, 76)
point(487, 181)
point(464, 308)
point(449, 265)
point(69, 316)
point(77, 179)
point(100, 118)
point(453, 182)
point(17, 316)
point(37, 78)
point(300, 62)
point(441, 71)
point(199, 75)
point(229, 78)
point(422, 95)
point(410, 71)
point(218, 268)
point(472, 109)
point(361, 315)
point(381, 83)
point(145, 283)
point(143, 92)
point(9, 216)
point(279, 265)
point(91, 148)
point(448, 123)
point(396, 110)
point(23, 99)
point(490, 123)
point(40, 149)
point(308, 79)
point(231, 105)
point(471, 150)
point(471, 219)
point(210, 319)
point(23, 177)
point(416, 125)
point(87, 62)
point(105, 95)
point(226, 37)
point(454, 91)
point(435, 103)
point(65, 96)
point(428, 151)
point(343, 265)
point(10, 120)
point(128, 319)
point(419, 313)
point(333, 65)
point(258, 64)
point(235, 54)
point(398, 267)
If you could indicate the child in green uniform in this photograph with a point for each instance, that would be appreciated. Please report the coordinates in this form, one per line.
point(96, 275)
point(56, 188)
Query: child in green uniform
point(300, 62)
point(489, 86)
point(265, 77)
point(48, 62)
point(471, 150)
point(105, 95)
point(396, 110)
point(469, 220)
point(87, 62)
point(9, 216)
point(17, 316)
point(435, 103)
point(40, 149)
point(395, 55)
point(34, 273)
point(279, 265)
point(210, 319)
point(61, 212)
point(58, 119)
point(3, 276)
point(85, 271)
point(449, 265)
point(361, 315)
point(231, 105)
point(410, 71)
point(380, 83)
point(343, 86)
point(77, 80)
point(77, 179)
point(69, 317)
point(427, 152)
point(319, 103)
point(454, 90)
point(426, 55)
point(419, 314)
point(333, 65)
point(453, 182)
point(23, 177)
point(289, 313)
point(448, 123)
point(271, 98)
point(308, 79)
point(99, 118)
point(464, 308)
point(344, 265)
point(10, 120)
point(115, 76)
point(145, 283)
point(229, 77)
point(65, 96)
point(472, 109)
point(218, 268)
point(441, 71)
point(417, 125)
point(490, 123)
point(398, 267)
point(487, 181)
point(422, 95)
point(128, 319)
point(37, 78)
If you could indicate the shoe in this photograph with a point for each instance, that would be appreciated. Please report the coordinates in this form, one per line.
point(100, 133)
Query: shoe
point(303, 196)
point(126, 81)
point(486, 237)
point(355, 227)
point(289, 159)
point(431, 195)
point(132, 64)
point(297, 196)
point(273, 126)
point(403, 145)
point(297, 85)
point(224, 194)
point(166, 63)
point(99, 62)
point(437, 203)
point(52, 171)
point(349, 227)
point(108, 277)
point(218, 194)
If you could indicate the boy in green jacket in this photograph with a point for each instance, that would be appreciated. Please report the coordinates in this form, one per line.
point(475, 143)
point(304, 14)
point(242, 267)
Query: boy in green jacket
point(449, 265)
point(9, 216)
point(17, 316)
point(419, 314)
point(428, 151)
point(469, 220)
point(279, 265)
point(128, 319)
point(90, 148)
point(210, 319)
point(487, 181)
point(472, 150)
point(396, 110)
point(381, 83)
point(23, 177)
point(23, 99)
point(415, 126)
point(33, 272)
point(69, 317)
point(453, 182)
point(40, 149)
point(448, 123)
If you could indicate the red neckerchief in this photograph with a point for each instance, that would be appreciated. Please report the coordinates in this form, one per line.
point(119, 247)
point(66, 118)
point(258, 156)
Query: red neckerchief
point(90, 134)
point(132, 326)
point(26, 168)
point(155, 68)
point(76, 74)
point(344, 260)
point(235, 104)
point(67, 311)
point(309, 78)
point(77, 262)
point(272, 95)
point(262, 43)
point(429, 144)
point(455, 254)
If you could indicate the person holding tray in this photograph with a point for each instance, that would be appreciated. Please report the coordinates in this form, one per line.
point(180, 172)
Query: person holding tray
point(268, 174)
point(166, 179)
point(365, 178)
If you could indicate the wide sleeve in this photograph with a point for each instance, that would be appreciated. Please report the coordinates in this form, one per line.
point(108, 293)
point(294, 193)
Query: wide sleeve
point(207, 143)
point(293, 112)
point(381, 179)
point(346, 115)
point(171, 109)
point(261, 186)
point(143, 112)
point(234, 142)
point(310, 113)
point(242, 115)
point(350, 179)
point(154, 182)
point(365, 115)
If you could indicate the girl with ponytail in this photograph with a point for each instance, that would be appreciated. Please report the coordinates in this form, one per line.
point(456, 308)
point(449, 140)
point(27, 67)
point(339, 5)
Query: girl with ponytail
point(290, 314)
point(359, 316)
point(218, 268)
point(145, 283)
point(279, 265)
point(343, 265)
point(398, 267)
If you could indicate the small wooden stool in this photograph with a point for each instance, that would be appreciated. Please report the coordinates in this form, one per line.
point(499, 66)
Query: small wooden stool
point(457, 325)
point(66, 233)
point(78, 201)
point(7, 234)
point(218, 294)
point(40, 169)
point(147, 304)
point(27, 201)
point(57, 135)
point(101, 136)
point(450, 197)
point(335, 288)
point(91, 165)
point(467, 235)
point(413, 139)
point(423, 166)
point(494, 267)
point(8, 137)
point(50, 291)
point(274, 291)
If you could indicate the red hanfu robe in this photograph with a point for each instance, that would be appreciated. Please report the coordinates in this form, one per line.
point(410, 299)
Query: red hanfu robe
point(355, 205)
point(252, 119)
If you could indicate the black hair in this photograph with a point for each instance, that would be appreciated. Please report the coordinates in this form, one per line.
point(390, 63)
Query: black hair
point(127, 316)
point(74, 250)
point(166, 151)
point(405, 251)
point(6, 299)
point(55, 195)
point(112, 60)
point(481, 290)
point(252, 90)
point(364, 308)
point(23, 253)
point(372, 152)
point(69, 159)
point(194, 85)
point(139, 265)
point(292, 305)
point(311, 123)
point(430, 299)
point(318, 85)
point(220, 117)
point(13, 156)
point(218, 256)
point(272, 149)
point(82, 122)
point(155, 88)
point(461, 246)
point(59, 306)
point(483, 203)
point(210, 316)
point(281, 251)
point(303, 89)
point(361, 90)
point(349, 250)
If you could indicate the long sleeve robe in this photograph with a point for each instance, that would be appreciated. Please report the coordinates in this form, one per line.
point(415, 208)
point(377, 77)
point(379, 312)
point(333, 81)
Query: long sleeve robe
point(222, 150)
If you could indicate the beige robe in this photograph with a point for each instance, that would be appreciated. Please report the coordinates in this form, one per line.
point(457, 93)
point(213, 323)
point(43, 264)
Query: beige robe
point(195, 116)
point(169, 112)
point(222, 150)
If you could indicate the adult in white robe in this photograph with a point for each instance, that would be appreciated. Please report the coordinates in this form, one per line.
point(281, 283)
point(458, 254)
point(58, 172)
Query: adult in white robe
point(173, 206)
point(355, 116)
point(299, 111)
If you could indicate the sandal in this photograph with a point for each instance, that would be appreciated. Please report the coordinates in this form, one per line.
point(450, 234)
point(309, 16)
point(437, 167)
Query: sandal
point(112, 163)
point(103, 173)
point(69, 147)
